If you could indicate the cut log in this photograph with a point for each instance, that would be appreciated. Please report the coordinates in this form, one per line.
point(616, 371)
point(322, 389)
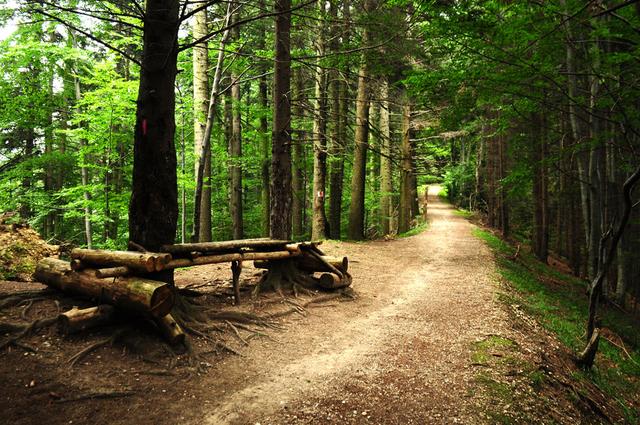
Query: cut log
point(77, 320)
point(320, 258)
point(224, 258)
point(311, 264)
point(112, 272)
point(129, 293)
point(225, 246)
point(144, 261)
point(171, 330)
point(77, 265)
point(333, 281)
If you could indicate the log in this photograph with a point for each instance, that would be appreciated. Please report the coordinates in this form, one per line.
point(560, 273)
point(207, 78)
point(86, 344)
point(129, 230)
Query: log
point(77, 320)
point(224, 258)
point(311, 264)
point(225, 246)
point(171, 330)
point(77, 265)
point(112, 272)
point(129, 293)
point(333, 281)
point(143, 261)
point(319, 257)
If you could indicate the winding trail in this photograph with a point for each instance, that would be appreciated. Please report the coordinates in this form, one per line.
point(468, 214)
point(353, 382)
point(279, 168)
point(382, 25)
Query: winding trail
point(400, 354)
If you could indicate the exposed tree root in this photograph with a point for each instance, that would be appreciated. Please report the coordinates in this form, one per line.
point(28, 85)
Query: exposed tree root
point(18, 298)
point(23, 329)
point(284, 275)
point(102, 394)
point(73, 360)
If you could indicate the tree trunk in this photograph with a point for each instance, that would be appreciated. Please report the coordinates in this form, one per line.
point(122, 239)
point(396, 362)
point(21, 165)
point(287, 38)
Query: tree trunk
point(235, 152)
point(319, 218)
point(153, 210)
point(405, 213)
point(356, 207)
point(280, 218)
point(297, 179)
point(339, 93)
point(264, 138)
point(540, 191)
point(386, 184)
point(211, 114)
point(200, 109)
point(84, 171)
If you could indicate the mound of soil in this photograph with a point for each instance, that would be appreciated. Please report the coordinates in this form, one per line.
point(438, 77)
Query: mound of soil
point(21, 248)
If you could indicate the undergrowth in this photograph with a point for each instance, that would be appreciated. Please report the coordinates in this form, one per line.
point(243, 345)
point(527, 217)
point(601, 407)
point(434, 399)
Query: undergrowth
point(559, 303)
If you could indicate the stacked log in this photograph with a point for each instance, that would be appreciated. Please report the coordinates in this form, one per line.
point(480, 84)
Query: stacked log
point(77, 320)
point(98, 258)
point(115, 279)
point(129, 293)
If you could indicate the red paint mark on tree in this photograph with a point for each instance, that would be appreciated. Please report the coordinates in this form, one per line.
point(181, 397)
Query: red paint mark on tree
point(144, 126)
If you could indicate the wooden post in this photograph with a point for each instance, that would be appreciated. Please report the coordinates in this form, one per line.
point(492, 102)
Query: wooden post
point(236, 268)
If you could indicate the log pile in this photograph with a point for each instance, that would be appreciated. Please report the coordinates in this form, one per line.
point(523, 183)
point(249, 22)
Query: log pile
point(118, 279)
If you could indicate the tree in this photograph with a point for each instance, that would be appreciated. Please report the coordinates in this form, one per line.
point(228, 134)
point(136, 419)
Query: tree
point(356, 208)
point(153, 211)
point(200, 111)
point(280, 218)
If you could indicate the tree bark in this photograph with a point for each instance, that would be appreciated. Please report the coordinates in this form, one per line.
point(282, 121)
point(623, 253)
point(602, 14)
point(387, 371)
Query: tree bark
point(386, 185)
point(356, 207)
point(129, 293)
point(405, 212)
point(264, 138)
point(280, 218)
point(319, 218)
point(200, 109)
point(77, 320)
point(211, 114)
point(297, 178)
point(540, 189)
point(235, 152)
point(153, 210)
point(143, 261)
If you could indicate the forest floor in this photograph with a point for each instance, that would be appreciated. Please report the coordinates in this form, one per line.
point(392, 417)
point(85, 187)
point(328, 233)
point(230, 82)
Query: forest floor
point(427, 340)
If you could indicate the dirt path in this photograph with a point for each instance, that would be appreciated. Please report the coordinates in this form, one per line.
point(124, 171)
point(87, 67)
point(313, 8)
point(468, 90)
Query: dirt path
point(400, 354)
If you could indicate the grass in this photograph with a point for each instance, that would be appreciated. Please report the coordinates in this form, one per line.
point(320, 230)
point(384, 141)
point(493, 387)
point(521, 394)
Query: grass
point(421, 227)
point(463, 213)
point(560, 304)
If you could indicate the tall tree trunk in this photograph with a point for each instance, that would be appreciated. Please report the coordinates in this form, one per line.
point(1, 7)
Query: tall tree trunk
point(404, 214)
point(356, 207)
point(339, 92)
point(386, 187)
point(319, 218)
point(205, 146)
point(540, 190)
point(84, 171)
point(265, 142)
point(153, 210)
point(280, 218)
point(297, 179)
point(235, 152)
point(200, 109)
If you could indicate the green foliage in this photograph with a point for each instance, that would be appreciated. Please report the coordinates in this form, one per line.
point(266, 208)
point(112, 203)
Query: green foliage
point(562, 308)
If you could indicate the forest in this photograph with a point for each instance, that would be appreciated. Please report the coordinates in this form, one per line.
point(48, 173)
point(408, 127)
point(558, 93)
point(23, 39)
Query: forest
point(526, 112)
point(165, 121)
